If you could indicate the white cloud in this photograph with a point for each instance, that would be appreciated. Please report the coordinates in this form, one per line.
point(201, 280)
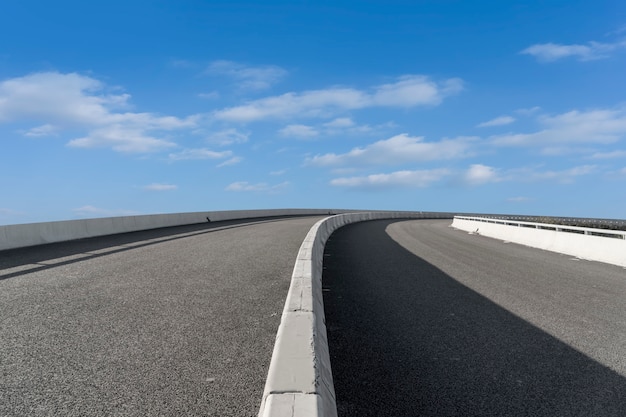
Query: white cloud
point(278, 173)
point(498, 121)
point(73, 101)
point(121, 139)
point(64, 98)
point(407, 91)
point(201, 153)
point(228, 137)
point(479, 174)
point(339, 123)
point(298, 131)
point(408, 179)
point(550, 52)
point(346, 126)
point(475, 175)
point(43, 130)
point(248, 77)
point(309, 103)
point(609, 155)
point(91, 211)
point(398, 149)
point(259, 187)
point(563, 150)
point(528, 111)
point(414, 90)
point(160, 187)
point(594, 126)
point(232, 161)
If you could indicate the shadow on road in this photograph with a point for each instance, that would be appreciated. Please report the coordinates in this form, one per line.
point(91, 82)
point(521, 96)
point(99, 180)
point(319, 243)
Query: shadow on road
point(408, 340)
point(51, 255)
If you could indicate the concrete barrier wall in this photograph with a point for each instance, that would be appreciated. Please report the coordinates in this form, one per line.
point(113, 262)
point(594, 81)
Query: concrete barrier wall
point(299, 381)
point(594, 245)
point(21, 235)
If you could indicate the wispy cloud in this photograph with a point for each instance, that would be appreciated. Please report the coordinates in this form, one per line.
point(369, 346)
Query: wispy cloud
point(339, 126)
point(298, 131)
point(609, 155)
point(122, 139)
point(408, 91)
point(403, 179)
point(550, 52)
point(228, 137)
point(232, 161)
point(248, 77)
point(213, 95)
point(396, 150)
point(475, 175)
point(201, 153)
point(73, 101)
point(160, 187)
point(528, 111)
point(340, 123)
point(261, 187)
point(42, 131)
point(498, 121)
point(601, 126)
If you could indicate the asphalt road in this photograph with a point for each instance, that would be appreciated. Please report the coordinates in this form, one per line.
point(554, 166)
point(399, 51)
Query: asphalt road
point(426, 320)
point(171, 322)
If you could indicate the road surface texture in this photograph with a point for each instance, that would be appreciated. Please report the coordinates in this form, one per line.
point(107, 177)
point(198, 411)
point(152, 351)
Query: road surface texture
point(426, 320)
point(170, 322)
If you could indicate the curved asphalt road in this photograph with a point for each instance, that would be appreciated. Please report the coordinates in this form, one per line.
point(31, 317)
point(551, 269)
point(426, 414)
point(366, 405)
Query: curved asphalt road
point(170, 322)
point(426, 320)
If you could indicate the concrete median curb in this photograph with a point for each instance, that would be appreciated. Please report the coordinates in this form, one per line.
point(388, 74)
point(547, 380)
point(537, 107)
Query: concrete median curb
point(299, 381)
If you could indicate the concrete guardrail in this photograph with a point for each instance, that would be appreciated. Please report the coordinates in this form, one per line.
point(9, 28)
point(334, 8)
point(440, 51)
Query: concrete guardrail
point(601, 245)
point(31, 234)
point(299, 381)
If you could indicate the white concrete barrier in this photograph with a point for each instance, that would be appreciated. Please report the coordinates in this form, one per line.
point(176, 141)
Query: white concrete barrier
point(299, 381)
point(586, 243)
point(31, 234)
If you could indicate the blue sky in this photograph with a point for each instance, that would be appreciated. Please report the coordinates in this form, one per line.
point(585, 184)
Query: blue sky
point(139, 107)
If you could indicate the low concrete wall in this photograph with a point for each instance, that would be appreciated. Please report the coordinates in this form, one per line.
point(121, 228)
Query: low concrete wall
point(585, 243)
point(299, 381)
point(31, 234)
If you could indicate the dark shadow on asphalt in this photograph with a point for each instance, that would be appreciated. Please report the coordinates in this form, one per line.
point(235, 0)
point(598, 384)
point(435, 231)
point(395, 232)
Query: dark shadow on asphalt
point(406, 339)
point(42, 257)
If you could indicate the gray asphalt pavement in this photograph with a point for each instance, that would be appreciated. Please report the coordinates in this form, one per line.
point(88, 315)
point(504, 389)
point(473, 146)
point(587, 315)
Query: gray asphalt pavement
point(171, 322)
point(425, 320)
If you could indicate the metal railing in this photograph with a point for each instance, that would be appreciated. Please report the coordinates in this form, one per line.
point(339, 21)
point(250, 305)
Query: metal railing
point(609, 224)
point(558, 227)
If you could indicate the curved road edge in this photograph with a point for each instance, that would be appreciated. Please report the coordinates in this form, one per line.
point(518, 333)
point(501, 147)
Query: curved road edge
point(299, 381)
